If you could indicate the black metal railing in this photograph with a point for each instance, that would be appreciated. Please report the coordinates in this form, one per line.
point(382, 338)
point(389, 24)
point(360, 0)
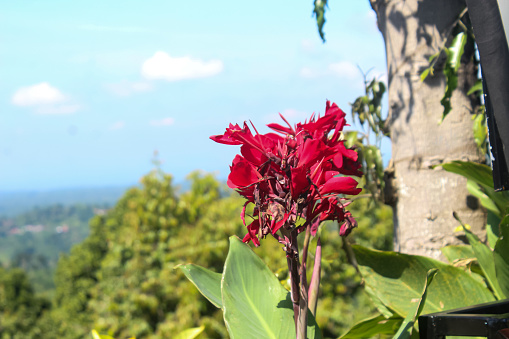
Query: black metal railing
point(489, 320)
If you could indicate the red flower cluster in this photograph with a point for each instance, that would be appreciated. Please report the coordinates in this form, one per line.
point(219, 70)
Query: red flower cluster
point(294, 176)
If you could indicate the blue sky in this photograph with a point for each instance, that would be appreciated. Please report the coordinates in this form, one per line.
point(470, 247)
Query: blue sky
point(90, 89)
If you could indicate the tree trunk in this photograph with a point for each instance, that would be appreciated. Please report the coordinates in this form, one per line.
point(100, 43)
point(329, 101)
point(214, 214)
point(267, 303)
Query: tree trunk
point(425, 198)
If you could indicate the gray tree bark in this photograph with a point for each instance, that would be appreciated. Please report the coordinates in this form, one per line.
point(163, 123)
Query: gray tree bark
point(424, 198)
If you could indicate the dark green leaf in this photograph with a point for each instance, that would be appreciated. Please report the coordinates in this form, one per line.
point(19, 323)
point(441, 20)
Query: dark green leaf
point(501, 256)
point(319, 12)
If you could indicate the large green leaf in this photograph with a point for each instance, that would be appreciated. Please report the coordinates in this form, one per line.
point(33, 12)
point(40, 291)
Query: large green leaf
point(501, 256)
point(207, 282)
point(255, 304)
point(406, 329)
point(485, 259)
point(396, 279)
point(373, 326)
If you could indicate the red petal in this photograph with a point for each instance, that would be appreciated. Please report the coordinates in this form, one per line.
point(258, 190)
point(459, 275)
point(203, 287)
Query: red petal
point(242, 173)
point(340, 185)
point(280, 129)
point(311, 151)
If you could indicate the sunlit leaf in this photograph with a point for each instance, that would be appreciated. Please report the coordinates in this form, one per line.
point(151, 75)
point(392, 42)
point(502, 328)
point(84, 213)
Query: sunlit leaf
point(372, 327)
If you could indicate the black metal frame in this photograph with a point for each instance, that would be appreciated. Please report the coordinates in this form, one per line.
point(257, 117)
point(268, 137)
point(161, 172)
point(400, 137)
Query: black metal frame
point(484, 320)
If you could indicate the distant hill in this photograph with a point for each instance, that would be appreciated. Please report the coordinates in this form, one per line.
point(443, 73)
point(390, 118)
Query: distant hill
point(12, 203)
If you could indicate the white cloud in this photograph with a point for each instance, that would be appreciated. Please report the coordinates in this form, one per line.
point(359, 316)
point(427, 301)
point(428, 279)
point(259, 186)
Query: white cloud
point(126, 88)
point(345, 69)
point(162, 122)
point(117, 125)
point(44, 99)
point(40, 94)
point(163, 66)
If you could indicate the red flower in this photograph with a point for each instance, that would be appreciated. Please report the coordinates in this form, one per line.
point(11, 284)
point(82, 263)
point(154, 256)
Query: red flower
point(295, 175)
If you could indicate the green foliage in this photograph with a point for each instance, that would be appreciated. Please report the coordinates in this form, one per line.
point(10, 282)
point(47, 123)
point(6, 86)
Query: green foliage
point(20, 309)
point(369, 107)
point(120, 280)
point(319, 13)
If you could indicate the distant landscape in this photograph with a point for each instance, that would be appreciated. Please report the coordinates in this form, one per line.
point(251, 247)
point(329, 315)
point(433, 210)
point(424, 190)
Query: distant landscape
point(37, 227)
point(12, 203)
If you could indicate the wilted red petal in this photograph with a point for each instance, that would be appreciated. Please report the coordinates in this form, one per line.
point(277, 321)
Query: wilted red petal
point(280, 223)
point(252, 233)
point(340, 185)
point(299, 181)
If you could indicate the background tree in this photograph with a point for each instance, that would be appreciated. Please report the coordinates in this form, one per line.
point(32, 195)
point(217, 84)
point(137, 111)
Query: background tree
point(423, 197)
